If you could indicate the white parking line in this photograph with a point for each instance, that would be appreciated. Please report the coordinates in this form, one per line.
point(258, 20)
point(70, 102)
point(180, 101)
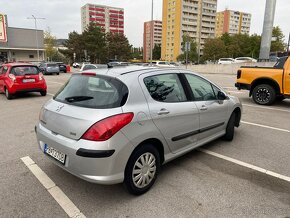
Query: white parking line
point(243, 164)
point(264, 126)
point(66, 204)
point(266, 108)
point(235, 92)
point(54, 82)
point(50, 94)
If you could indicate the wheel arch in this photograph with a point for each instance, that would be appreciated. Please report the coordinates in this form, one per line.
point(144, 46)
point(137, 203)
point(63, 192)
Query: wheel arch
point(268, 81)
point(155, 142)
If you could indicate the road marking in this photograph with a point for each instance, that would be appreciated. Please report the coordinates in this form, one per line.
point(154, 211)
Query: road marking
point(50, 94)
point(264, 126)
point(66, 204)
point(243, 164)
point(266, 108)
point(235, 92)
point(230, 87)
point(54, 82)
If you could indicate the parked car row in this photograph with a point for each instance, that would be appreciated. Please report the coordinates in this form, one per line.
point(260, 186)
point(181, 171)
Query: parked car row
point(236, 60)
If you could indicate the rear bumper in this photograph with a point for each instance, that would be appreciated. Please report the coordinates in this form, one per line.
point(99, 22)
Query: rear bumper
point(20, 88)
point(96, 162)
point(243, 86)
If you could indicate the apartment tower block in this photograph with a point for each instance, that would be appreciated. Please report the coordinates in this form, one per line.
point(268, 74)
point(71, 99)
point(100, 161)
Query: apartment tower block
point(232, 22)
point(110, 19)
point(195, 18)
point(156, 26)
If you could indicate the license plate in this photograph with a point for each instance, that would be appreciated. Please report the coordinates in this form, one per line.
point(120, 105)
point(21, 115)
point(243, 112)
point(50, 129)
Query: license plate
point(29, 80)
point(57, 155)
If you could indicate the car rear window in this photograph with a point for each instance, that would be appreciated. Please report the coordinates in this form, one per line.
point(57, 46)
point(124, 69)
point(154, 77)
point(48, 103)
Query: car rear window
point(99, 92)
point(24, 70)
point(52, 65)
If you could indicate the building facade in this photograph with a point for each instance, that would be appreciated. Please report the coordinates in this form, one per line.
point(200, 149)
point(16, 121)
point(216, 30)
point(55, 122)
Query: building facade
point(22, 45)
point(195, 18)
point(110, 19)
point(232, 22)
point(156, 26)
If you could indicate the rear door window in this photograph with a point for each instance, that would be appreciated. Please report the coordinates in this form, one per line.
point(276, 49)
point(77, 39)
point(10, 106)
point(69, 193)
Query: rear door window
point(99, 92)
point(165, 88)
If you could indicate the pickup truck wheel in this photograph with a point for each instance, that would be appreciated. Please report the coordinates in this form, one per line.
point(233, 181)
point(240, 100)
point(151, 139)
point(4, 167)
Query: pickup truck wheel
point(264, 94)
point(230, 130)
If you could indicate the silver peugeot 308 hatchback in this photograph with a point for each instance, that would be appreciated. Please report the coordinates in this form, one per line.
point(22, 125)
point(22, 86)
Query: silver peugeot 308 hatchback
point(116, 125)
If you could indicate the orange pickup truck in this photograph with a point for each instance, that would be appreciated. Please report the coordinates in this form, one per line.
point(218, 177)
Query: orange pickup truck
point(266, 84)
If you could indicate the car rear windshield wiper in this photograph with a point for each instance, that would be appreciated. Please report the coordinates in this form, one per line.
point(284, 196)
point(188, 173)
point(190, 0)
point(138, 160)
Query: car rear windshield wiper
point(78, 98)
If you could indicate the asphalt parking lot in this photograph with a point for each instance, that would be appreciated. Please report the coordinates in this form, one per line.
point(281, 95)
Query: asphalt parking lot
point(222, 180)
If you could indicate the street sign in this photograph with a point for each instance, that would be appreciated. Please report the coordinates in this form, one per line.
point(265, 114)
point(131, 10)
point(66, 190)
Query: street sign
point(3, 34)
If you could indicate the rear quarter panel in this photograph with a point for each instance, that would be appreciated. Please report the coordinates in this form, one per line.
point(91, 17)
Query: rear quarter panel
point(249, 75)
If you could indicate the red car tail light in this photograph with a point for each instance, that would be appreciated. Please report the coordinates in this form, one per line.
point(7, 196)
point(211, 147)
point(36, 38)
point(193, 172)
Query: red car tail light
point(106, 128)
point(89, 74)
point(12, 77)
point(40, 76)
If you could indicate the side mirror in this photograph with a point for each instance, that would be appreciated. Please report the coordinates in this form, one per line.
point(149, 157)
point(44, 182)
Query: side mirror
point(221, 96)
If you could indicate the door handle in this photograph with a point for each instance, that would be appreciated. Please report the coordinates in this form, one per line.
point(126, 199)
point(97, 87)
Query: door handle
point(163, 111)
point(203, 108)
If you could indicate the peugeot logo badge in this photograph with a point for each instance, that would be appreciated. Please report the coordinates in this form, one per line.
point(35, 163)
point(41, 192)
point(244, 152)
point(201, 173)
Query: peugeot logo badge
point(59, 108)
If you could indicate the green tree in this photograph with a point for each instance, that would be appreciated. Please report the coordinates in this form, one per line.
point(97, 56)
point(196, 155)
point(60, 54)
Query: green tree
point(118, 47)
point(52, 53)
point(49, 43)
point(278, 44)
point(192, 54)
point(214, 49)
point(74, 44)
point(156, 53)
point(137, 54)
point(94, 41)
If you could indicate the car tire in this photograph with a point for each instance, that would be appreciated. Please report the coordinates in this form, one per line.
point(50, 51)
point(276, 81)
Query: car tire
point(8, 95)
point(145, 161)
point(264, 94)
point(43, 93)
point(230, 130)
point(57, 73)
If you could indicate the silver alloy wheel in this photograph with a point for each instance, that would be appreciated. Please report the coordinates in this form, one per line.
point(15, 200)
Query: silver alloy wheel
point(6, 93)
point(263, 95)
point(144, 170)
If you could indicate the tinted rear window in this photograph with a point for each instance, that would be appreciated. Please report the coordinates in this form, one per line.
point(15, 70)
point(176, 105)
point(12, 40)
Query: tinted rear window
point(99, 92)
point(52, 65)
point(280, 63)
point(25, 70)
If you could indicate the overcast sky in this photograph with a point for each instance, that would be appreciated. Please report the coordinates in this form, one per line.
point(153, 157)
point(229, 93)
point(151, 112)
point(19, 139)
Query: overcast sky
point(63, 16)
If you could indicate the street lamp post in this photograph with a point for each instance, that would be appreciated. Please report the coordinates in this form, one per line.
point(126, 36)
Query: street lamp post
point(151, 34)
point(35, 24)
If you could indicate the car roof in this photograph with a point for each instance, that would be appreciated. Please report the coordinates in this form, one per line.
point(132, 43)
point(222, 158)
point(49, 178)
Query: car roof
point(18, 64)
point(123, 70)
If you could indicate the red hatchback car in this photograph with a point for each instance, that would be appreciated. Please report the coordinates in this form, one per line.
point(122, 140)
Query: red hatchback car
point(20, 78)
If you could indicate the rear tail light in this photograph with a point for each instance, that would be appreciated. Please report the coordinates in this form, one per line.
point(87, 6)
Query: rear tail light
point(89, 74)
point(239, 74)
point(106, 128)
point(12, 77)
point(40, 76)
